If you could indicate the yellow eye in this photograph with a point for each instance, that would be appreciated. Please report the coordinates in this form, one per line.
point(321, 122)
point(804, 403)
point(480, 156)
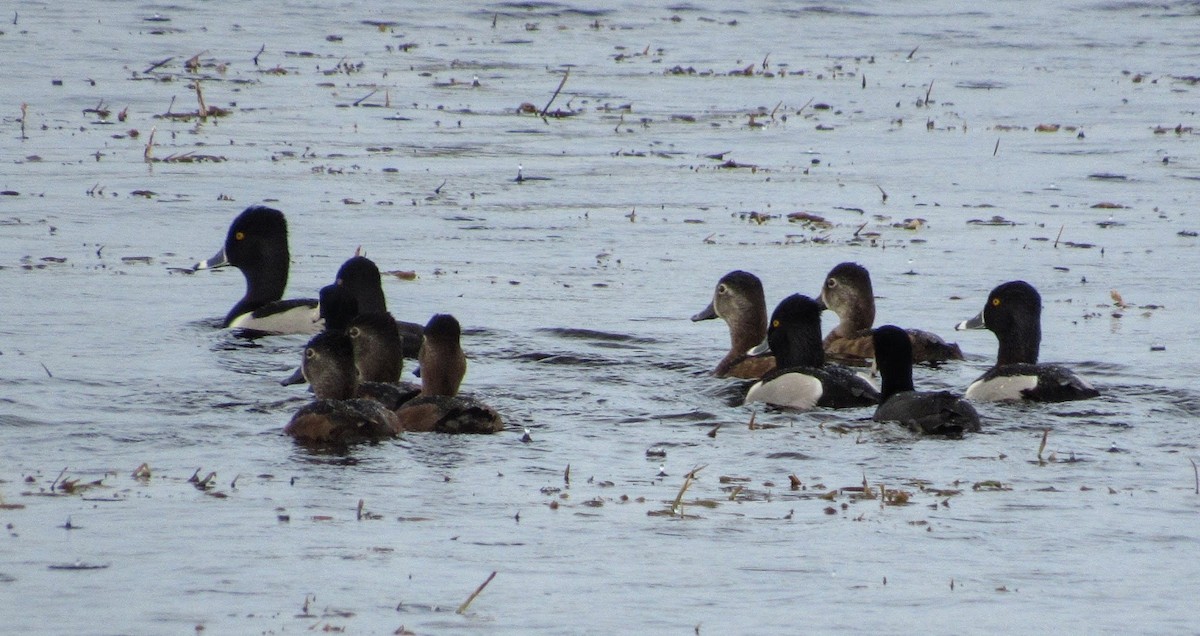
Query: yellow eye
point(775, 324)
point(995, 302)
point(239, 235)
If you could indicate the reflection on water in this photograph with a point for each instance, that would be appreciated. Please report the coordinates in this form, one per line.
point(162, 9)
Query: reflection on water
point(685, 142)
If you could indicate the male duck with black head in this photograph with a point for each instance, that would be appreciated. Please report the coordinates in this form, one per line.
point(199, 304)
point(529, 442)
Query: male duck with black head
point(1014, 313)
point(360, 278)
point(802, 380)
point(336, 416)
point(257, 244)
point(848, 293)
point(927, 412)
point(739, 300)
point(439, 407)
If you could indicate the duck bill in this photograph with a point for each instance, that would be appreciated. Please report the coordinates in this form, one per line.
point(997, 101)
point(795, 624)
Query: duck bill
point(762, 349)
point(974, 323)
point(216, 260)
point(707, 314)
point(820, 298)
point(297, 377)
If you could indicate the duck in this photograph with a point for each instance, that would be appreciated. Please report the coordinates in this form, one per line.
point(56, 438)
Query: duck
point(847, 292)
point(360, 277)
point(439, 407)
point(336, 415)
point(739, 300)
point(257, 244)
point(378, 362)
point(1013, 312)
point(802, 380)
point(926, 412)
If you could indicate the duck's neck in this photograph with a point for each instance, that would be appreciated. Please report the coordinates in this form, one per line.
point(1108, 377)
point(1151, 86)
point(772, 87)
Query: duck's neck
point(856, 319)
point(799, 346)
point(442, 369)
point(897, 378)
point(746, 331)
point(1020, 344)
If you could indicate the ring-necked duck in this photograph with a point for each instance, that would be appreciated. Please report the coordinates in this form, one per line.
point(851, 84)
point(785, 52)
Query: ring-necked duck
point(335, 415)
point(376, 343)
point(848, 293)
point(739, 301)
point(803, 380)
point(929, 412)
point(360, 276)
point(439, 408)
point(257, 245)
point(1014, 313)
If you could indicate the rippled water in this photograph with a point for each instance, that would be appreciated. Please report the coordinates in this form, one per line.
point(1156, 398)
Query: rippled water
point(575, 286)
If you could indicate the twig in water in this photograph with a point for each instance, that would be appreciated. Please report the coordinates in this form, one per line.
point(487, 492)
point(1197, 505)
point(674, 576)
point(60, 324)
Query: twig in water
point(801, 109)
point(882, 191)
point(365, 97)
point(359, 513)
point(1197, 473)
point(927, 91)
point(1042, 447)
point(48, 374)
point(260, 52)
point(24, 113)
point(158, 64)
point(913, 52)
point(997, 148)
point(438, 190)
point(860, 228)
point(567, 475)
point(677, 507)
point(463, 608)
point(1060, 231)
point(55, 482)
point(149, 151)
point(556, 91)
point(203, 110)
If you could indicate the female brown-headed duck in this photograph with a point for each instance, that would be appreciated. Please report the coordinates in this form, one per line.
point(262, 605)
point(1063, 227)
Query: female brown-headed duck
point(738, 300)
point(439, 407)
point(848, 293)
point(336, 415)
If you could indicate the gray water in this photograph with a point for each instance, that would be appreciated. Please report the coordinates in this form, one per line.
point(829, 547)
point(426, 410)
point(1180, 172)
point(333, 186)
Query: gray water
point(363, 125)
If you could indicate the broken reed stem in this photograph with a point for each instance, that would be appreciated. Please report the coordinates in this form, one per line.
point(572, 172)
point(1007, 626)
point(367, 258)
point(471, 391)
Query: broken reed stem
point(997, 148)
point(927, 91)
point(463, 608)
point(203, 112)
point(24, 113)
point(556, 91)
point(1196, 471)
point(677, 507)
point(1060, 231)
point(1042, 447)
point(148, 153)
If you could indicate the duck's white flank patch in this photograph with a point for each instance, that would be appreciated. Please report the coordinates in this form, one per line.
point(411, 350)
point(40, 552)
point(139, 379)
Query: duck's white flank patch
point(301, 319)
point(1001, 389)
point(793, 390)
